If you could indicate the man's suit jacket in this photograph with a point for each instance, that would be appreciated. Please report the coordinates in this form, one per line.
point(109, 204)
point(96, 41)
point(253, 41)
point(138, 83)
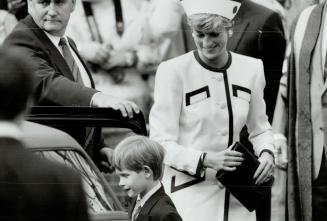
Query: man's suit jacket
point(54, 80)
point(55, 85)
point(34, 189)
point(158, 207)
point(259, 33)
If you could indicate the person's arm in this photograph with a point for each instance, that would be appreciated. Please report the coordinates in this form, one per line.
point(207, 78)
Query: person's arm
point(272, 46)
point(164, 128)
point(279, 124)
point(260, 132)
point(164, 120)
point(166, 18)
point(50, 85)
point(15, 5)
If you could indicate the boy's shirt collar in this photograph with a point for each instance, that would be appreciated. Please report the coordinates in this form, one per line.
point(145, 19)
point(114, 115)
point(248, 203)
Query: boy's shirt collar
point(149, 194)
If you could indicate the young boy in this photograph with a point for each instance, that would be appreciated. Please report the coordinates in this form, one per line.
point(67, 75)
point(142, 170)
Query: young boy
point(138, 162)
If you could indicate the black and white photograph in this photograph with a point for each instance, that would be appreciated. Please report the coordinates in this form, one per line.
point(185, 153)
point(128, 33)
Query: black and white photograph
point(163, 110)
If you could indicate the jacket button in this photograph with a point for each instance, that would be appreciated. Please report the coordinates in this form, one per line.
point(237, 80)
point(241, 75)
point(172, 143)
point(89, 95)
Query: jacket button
point(224, 133)
point(219, 78)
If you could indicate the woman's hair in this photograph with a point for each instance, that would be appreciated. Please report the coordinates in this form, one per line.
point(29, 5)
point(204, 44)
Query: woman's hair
point(135, 152)
point(206, 23)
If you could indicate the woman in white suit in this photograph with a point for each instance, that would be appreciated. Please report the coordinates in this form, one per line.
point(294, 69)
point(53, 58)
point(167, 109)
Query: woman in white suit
point(202, 100)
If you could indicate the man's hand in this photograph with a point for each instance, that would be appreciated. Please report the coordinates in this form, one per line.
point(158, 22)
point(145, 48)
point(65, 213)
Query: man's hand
point(226, 160)
point(265, 170)
point(107, 154)
point(127, 108)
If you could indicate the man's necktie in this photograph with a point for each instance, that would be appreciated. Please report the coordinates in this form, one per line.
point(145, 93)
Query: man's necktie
point(70, 60)
point(137, 209)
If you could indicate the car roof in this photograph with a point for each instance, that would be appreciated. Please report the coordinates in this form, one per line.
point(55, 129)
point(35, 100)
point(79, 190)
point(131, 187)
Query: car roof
point(41, 136)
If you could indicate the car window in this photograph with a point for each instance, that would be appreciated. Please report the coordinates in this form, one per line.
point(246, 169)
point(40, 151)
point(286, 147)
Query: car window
point(97, 199)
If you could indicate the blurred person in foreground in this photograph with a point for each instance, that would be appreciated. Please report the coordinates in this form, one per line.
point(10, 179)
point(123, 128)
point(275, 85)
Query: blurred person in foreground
point(139, 164)
point(62, 78)
point(30, 188)
point(301, 117)
point(212, 94)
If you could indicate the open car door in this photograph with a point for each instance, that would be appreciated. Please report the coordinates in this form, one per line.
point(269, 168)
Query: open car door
point(58, 146)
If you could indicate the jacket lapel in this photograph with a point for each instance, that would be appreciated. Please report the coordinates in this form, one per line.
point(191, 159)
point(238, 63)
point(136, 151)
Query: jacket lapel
point(53, 53)
point(131, 208)
point(149, 204)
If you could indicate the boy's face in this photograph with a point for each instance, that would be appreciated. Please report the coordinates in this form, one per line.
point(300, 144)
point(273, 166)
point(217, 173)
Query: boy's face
point(133, 183)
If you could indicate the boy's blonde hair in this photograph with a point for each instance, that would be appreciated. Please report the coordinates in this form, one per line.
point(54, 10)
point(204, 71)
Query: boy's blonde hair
point(207, 23)
point(135, 152)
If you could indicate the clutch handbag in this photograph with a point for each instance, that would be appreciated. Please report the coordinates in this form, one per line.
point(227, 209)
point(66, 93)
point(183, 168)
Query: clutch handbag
point(240, 182)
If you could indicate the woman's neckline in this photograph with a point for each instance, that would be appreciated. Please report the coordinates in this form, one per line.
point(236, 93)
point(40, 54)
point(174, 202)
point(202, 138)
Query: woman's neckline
point(211, 68)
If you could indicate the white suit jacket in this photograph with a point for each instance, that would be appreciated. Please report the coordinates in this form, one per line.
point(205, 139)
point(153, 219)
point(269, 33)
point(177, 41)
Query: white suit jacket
point(199, 109)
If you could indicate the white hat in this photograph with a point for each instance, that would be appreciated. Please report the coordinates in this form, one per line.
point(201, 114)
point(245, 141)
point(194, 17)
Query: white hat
point(225, 8)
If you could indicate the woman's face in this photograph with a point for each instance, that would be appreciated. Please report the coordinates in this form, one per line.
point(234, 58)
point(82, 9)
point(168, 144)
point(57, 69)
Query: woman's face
point(212, 45)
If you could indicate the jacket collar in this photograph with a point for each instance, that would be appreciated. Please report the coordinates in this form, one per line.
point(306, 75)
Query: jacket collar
point(53, 52)
point(149, 204)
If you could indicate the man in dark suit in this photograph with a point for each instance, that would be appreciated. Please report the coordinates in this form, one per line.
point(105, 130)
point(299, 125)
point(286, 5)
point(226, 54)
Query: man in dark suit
point(62, 79)
point(258, 32)
point(30, 188)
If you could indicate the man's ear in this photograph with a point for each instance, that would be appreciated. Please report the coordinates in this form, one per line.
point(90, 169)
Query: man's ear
point(147, 171)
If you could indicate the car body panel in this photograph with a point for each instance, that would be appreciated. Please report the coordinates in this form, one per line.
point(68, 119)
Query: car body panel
point(46, 141)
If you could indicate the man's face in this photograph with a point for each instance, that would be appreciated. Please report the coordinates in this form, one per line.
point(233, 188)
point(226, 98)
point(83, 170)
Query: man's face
point(51, 15)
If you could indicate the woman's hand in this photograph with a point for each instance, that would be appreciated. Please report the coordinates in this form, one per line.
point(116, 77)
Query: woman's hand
point(265, 170)
point(95, 53)
point(117, 59)
point(226, 160)
point(281, 149)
